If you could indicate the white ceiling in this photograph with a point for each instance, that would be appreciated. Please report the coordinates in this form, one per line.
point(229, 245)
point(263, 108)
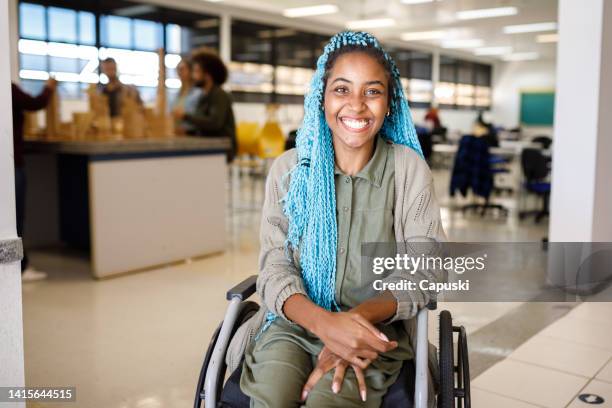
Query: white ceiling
point(437, 15)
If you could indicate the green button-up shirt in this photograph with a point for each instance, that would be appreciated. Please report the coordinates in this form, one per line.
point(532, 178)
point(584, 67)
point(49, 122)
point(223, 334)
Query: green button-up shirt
point(364, 205)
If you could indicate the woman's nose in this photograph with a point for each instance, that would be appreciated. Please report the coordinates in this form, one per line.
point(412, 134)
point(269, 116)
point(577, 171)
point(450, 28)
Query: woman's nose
point(357, 102)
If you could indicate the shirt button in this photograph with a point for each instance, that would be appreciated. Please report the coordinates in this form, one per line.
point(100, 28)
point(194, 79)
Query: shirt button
point(341, 250)
point(347, 179)
point(345, 209)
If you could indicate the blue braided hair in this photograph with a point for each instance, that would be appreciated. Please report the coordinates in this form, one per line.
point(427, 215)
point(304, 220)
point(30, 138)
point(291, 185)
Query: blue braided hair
point(310, 204)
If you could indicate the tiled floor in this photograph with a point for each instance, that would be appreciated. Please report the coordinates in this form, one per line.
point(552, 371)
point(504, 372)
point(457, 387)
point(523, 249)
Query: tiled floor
point(138, 341)
point(570, 359)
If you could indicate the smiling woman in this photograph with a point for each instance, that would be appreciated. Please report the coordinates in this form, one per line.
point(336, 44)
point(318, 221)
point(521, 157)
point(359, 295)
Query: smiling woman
point(325, 198)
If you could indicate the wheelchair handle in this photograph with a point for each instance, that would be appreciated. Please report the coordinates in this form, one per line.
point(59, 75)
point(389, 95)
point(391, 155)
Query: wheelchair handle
point(243, 290)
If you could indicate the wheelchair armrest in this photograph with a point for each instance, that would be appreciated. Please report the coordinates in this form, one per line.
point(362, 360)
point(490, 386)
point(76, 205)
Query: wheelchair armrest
point(243, 290)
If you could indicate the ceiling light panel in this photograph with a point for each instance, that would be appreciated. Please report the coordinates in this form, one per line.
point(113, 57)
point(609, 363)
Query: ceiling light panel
point(317, 10)
point(486, 13)
point(373, 23)
point(416, 1)
point(530, 28)
point(493, 51)
point(422, 35)
point(471, 43)
point(521, 56)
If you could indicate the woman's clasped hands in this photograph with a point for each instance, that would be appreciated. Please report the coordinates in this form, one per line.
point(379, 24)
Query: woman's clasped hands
point(349, 340)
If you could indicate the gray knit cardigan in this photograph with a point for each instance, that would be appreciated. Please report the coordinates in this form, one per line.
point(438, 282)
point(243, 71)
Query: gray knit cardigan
point(416, 215)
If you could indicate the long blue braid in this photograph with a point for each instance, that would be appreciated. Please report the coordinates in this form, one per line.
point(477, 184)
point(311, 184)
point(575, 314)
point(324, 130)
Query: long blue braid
point(310, 204)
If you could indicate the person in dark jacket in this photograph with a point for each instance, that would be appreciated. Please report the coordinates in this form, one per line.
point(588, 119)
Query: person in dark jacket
point(472, 168)
point(213, 115)
point(23, 102)
point(114, 89)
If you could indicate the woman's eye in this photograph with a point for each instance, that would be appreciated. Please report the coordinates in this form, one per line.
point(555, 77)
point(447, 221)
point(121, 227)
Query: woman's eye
point(341, 89)
point(373, 92)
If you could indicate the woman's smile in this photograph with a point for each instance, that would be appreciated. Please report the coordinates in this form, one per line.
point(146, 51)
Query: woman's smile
point(357, 125)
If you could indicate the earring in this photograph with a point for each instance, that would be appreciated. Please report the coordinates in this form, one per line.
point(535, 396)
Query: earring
point(388, 113)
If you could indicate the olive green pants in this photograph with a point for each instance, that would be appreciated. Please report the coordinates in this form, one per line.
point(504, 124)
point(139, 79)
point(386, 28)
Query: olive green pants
point(279, 362)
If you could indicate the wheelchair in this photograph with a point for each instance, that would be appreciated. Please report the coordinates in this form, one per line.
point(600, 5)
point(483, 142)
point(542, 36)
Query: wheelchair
point(454, 382)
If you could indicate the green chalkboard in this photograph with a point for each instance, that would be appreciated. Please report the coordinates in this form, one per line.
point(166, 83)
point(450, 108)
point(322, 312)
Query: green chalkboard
point(537, 108)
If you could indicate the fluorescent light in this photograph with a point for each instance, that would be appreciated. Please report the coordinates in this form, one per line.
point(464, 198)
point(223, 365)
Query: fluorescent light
point(32, 47)
point(493, 50)
point(530, 28)
point(415, 1)
point(174, 83)
point(374, 23)
point(66, 76)
point(473, 43)
point(310, 11)
point(171, 60)
point(521, 56)
point(422, 35)
point(547, 38)
point(33, 74)
point(486, 13)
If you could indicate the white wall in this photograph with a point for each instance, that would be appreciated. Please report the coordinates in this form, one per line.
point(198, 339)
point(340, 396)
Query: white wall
point(11, 328)
point(509, 79)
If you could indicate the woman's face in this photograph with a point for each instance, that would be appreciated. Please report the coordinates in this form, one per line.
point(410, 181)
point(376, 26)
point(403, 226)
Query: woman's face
point(183, 71)
point(356, 99)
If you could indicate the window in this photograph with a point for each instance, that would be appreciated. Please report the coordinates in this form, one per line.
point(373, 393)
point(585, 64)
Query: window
point(33, 21)
point(59, 38)
point(463, 84)
point(116, 32)
point(62, 25)
point(415, 68)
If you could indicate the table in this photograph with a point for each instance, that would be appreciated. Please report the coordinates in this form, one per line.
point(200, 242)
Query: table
point(132, 204)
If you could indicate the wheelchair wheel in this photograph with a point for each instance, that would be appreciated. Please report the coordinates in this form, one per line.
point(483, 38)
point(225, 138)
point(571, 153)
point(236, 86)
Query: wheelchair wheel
point(454, 390)
point(446, 397)
point(247, 310)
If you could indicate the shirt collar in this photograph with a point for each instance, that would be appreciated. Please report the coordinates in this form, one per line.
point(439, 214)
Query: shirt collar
point(374, 169)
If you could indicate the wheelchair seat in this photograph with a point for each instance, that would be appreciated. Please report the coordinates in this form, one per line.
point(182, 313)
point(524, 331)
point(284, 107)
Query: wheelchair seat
point(407, 391)
point(400, 394)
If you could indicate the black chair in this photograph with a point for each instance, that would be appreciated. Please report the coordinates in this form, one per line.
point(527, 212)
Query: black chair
point(535, 170)
point(545, 141)
point(474, 170)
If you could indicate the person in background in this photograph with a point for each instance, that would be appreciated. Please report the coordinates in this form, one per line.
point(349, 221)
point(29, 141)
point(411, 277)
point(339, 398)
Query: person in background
point(485, 130)
point(433, 119)
point(23, 102)
point(188, 96)
point(213, 115)
point(114, 89)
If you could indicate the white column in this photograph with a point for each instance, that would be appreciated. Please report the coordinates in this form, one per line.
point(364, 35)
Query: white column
point(13, 39)
point(581, 200)
point(225, 40)
point(11, 328)
point(435, 74)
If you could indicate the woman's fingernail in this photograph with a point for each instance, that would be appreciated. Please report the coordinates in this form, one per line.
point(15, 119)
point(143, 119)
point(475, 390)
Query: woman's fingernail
point(363, 396)
point(335, 388)
point(304, 395)
point(383, 337)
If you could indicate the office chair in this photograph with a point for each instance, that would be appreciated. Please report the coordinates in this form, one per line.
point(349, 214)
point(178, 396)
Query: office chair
point(535, 170)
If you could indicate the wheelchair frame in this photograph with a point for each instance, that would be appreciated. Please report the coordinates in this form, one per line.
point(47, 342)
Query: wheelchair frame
point(210, 381)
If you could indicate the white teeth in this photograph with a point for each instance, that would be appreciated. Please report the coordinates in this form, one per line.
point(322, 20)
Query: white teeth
point(355, 124)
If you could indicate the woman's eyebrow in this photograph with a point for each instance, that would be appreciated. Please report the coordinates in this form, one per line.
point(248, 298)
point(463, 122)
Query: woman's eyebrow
point(341, 79)
point(375, 82)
